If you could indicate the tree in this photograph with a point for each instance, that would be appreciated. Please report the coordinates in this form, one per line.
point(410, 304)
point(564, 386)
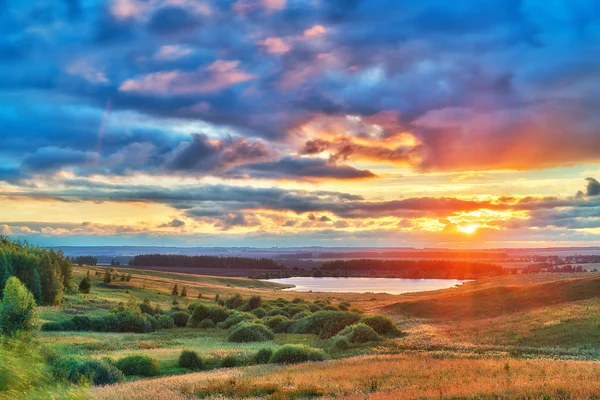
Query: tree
point(66, 271)
point(85, 285)
point(4, 271)
point(128, 277)
point(107, 278)
point(18, 311)
point(184, 292)
point(175, 290)
point(36, 286)
point(199, 295)
point(123, 277)
point(52, 284)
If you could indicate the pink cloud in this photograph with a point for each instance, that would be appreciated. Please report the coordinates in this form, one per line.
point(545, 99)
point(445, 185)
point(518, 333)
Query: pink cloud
point(315, 31)
point(218, 75)
point(275, 45)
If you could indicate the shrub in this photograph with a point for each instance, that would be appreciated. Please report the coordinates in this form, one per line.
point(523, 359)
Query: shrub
point(201, 312)
point(341, 342)
point(343, 307)
point(278, 324)
point(274, 313)
point(82, 323)
point(263, 356)
point(313, 308)
point(206, 324)
point(129, 322)
point(296, 353)
point(52, 327)
point(138, 365)
point(234, 301)
point(254, 302)
point(331, 308)
point(146, 307)
point(18, 311)
point(324, 323)
point(250, 332)
point(229, 361)
point(382, 325)
point(301, 315)
point(151, 320)
point(181, 318)
point(165, 322)
point(85, 285)
point(298, 300)
point(235, 318)
point(259, 312)
point(97, 372)
point(190, 359)
point(359, 333)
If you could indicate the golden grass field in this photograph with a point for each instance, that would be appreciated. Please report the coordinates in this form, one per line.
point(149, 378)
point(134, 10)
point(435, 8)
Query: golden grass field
point(406, 376)
point(518, 336)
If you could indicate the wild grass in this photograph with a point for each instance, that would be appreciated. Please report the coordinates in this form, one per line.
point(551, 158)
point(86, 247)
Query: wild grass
point(409, 376)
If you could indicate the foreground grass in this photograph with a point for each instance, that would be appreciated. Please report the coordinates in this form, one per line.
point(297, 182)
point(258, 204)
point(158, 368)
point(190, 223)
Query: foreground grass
point(408, 376)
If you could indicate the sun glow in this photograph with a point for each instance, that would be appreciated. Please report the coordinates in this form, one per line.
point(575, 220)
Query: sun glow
point(468, 229)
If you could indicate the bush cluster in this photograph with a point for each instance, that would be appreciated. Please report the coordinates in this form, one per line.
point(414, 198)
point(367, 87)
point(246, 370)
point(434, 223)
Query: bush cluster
point(324, 323)
point(296, 353)
point(96, 372)
point(138, 365)
point(359, 333)
point(249, 332)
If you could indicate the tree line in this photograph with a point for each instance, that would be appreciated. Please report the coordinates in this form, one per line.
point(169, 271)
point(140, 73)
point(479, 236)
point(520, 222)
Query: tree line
point(446, 269)
point(46, 273)
point(177, 260)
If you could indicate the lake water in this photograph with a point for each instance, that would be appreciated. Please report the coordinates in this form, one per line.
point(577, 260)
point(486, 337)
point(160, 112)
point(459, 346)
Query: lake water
point(365, 285)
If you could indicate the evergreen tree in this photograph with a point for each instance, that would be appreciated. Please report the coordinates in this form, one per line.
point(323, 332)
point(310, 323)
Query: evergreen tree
point(52, 285)
point(200, 295)
point(184, 292)
point(36, 286)
point(107, 278)
point(128, 277)
point(175, 290)
point(85, 285)
point(18, 312)
point(66, 267)
point(4, 272)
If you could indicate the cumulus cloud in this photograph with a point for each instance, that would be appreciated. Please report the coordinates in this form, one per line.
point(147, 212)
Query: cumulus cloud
point(176, 223)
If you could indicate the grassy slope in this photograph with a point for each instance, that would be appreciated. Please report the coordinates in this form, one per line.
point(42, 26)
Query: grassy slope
point(497, 300)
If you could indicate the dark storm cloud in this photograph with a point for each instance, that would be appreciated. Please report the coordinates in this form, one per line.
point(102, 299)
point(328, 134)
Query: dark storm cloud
point(592, 187)
point(299, 168)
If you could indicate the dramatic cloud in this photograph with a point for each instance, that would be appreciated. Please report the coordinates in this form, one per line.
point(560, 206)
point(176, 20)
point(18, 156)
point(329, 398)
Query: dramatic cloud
point(248, 115)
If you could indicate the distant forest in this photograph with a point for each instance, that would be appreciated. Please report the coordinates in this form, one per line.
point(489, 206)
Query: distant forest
point(85, 260)
point(175, 260)
point(448, 269)
point(46, 273)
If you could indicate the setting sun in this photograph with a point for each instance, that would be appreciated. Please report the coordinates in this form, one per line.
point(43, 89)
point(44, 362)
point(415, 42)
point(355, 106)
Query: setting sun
point(468, 229)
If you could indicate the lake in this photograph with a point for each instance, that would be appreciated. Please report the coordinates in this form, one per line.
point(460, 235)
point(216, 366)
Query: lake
point(365, 285)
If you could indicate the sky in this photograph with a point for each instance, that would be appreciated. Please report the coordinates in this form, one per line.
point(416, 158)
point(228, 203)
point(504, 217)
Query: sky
point(465, 124)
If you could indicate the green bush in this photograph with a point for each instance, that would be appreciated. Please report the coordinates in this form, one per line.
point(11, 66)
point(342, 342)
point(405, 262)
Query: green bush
point(181, 318)
point(190, 359)
point(230, 361)
point(138, 365)
point(206, 324)
point(250, 332)
point(296, 353)
point(278, 324)
point(97, 372)
point(301, 315)
point(165, 321)
point(324, 323)
point(235, 318)
point(359, 333)
point(313, 307)
point(53, 327)
point(341, 342)
point(234, 302)
point(382, 325)
point(259, 312)
point(263, 356)
point(18, 312)
point(331, 308)
point(276, 312)
point(201, 312)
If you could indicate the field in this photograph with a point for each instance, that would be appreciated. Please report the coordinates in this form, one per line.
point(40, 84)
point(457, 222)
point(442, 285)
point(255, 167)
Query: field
point(518, 336)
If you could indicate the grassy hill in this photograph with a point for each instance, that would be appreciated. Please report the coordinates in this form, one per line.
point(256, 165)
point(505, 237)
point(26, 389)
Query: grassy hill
point(497, 300)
